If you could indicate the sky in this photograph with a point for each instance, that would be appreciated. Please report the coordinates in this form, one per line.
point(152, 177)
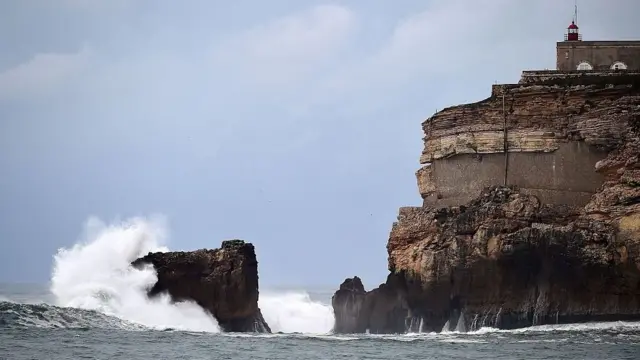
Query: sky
point(292, 124)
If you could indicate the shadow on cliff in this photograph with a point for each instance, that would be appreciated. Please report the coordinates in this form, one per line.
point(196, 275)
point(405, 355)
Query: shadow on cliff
point(503, 261)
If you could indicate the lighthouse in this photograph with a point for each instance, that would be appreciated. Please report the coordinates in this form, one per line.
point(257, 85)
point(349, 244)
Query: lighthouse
point(573, 54)
point(572, 33)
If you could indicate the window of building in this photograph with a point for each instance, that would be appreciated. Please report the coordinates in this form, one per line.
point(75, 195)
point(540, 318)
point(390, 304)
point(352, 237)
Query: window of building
point(619, 65)
point(585, 66)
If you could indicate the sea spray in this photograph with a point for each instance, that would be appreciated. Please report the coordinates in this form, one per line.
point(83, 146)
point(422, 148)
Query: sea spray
point(295, 312)
point(96, 274)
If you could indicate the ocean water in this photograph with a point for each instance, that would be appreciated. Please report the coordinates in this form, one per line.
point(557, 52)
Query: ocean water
point(95, 308)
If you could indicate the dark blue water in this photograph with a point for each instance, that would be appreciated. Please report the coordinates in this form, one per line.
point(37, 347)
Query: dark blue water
point(42, 331)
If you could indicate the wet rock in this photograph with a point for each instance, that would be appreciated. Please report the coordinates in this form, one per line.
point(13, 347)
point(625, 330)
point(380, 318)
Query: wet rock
point(222, 281)
point(507, 261)
point(349, 307)
point(379, 311)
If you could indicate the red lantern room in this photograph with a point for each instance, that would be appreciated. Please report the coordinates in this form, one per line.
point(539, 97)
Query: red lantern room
point(572, 33)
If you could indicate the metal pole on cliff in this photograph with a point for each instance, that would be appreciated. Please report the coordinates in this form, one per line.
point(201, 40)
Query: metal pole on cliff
point(505, 145)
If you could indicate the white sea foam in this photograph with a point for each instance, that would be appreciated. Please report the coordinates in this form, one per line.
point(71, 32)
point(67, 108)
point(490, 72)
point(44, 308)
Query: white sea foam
point(295, 312)
point(95, 274)
point(611, 325)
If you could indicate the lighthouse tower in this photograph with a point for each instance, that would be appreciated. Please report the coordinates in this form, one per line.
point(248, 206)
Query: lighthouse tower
point(572, 31)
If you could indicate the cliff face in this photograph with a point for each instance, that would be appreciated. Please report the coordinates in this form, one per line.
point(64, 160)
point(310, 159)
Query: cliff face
point(555, 131)
point(222, 281)
point(560, 243)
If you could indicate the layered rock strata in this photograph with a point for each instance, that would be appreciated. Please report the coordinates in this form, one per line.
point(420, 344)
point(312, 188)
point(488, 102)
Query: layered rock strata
point(222, 281)
point(550, 236)
point(554, 131)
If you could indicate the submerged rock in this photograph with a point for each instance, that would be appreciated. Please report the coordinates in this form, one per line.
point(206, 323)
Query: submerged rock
point(222, 281)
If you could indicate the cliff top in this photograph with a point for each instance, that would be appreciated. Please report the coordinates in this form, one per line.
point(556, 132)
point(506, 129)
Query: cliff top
point(543, 110)
point(553, 81)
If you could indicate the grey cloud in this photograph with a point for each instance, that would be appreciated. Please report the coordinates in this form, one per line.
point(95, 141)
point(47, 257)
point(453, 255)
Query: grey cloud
point(293, 125)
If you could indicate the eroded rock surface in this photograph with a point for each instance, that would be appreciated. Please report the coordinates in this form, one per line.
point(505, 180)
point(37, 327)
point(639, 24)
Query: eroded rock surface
point(518, 256)
point(506, 260)
point(222, 281)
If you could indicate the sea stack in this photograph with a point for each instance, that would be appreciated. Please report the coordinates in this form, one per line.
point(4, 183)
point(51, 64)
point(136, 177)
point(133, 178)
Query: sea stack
point(531, 206)
point(222, 281)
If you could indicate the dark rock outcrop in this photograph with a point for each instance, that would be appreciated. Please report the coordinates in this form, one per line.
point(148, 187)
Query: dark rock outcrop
point(349, 307)
point(382, 310)
point(508, 258)
point(222, 281)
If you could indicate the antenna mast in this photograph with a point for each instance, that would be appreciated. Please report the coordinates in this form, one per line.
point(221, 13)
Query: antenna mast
point(575, 12)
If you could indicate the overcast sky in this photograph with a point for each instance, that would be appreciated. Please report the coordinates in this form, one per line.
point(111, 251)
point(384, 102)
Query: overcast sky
point(291, 124)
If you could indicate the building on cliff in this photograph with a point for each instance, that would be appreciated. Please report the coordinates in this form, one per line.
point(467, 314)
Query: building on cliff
point(527, 138)
point(559, 244)
point(575, 54)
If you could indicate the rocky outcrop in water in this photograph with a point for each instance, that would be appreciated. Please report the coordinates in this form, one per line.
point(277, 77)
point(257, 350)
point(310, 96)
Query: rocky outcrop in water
point(222, 281)
point(378, 311)
point(527, 253)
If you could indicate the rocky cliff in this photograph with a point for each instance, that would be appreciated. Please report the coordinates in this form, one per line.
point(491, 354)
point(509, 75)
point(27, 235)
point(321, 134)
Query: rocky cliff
point(535, 239)
point(222, 281)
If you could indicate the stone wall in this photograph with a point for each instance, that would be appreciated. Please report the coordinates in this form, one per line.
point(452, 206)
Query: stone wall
point(541, 76)
point(600, 54)
point(564, 176)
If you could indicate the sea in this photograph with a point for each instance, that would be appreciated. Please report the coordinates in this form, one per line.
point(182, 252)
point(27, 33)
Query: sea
point(95, 307)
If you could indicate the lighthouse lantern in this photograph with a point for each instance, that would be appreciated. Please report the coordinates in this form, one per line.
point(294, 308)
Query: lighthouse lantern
point(572, 33)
